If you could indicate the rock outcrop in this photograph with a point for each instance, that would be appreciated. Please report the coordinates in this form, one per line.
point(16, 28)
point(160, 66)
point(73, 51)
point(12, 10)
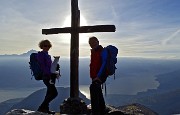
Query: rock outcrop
point(24, 112)
point(136, 109)
point(132, 109)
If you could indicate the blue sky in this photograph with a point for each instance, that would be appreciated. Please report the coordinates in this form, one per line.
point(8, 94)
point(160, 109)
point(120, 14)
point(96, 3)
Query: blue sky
point(144, 28)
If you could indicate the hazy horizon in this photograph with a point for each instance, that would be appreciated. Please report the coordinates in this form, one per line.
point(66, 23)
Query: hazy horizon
point(28, 52)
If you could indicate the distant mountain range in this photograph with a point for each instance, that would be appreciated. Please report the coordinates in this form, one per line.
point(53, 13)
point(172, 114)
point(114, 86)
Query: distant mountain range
point(23, 54)
point(33, 101)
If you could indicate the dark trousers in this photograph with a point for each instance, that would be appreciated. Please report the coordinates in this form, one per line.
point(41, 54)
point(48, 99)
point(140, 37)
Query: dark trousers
point(97, 99)
point(51, 93)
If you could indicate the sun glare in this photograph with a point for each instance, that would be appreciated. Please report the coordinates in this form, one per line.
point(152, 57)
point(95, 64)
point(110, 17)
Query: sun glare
point(83, 37)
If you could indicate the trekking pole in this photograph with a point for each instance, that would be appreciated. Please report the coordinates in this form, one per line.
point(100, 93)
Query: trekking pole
point(105, 89)
point(59, 74)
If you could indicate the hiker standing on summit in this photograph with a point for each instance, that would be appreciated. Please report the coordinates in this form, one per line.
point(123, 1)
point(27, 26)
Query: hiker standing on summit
point(45, 62)
point(98, 75)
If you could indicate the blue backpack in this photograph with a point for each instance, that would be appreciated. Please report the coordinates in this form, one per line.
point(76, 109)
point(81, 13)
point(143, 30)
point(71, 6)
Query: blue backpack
point(36, 70)
point(112, 59)
point(111, 62)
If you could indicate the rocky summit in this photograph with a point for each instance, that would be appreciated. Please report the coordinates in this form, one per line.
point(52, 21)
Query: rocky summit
point(132, 109)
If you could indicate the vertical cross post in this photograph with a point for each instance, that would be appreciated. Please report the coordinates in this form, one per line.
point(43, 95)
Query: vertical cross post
point(74, 53)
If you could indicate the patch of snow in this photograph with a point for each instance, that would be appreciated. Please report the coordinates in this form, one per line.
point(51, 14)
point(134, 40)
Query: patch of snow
point(24, 112)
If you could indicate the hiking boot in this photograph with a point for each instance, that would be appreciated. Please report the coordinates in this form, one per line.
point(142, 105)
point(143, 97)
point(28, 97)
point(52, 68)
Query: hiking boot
point(46, 111)
point(42, 110)
point(51, 112)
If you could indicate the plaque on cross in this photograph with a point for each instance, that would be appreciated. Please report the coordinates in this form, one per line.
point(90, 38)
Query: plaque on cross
point(74, 30)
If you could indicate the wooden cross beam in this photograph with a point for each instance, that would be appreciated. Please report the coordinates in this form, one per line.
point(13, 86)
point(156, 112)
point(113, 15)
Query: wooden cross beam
point(74, 30)
point(81, 29)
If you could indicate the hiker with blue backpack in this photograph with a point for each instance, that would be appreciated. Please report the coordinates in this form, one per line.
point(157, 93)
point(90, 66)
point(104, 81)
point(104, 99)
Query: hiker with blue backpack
point(44, 60)
point(98, 76)
point(102, 65)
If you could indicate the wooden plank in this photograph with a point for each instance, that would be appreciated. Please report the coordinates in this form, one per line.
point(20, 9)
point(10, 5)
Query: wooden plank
point(82, 29)
point(97, 28)
point(56, 30)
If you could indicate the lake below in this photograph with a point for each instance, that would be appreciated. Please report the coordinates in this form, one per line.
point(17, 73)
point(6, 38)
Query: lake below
point(125, 86)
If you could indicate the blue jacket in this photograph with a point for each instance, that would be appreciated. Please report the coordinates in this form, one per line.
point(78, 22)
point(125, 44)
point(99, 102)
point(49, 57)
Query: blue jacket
point(104, 56)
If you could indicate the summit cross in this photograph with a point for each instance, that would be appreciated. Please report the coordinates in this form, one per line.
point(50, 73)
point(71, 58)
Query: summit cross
point(74, 30)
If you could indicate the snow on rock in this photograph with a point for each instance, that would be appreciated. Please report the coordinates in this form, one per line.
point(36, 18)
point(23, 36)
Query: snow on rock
point(24, 112)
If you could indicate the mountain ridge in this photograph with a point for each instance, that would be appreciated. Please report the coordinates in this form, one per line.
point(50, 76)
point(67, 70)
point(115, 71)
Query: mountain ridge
point(30, 104)
point(19, 55)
